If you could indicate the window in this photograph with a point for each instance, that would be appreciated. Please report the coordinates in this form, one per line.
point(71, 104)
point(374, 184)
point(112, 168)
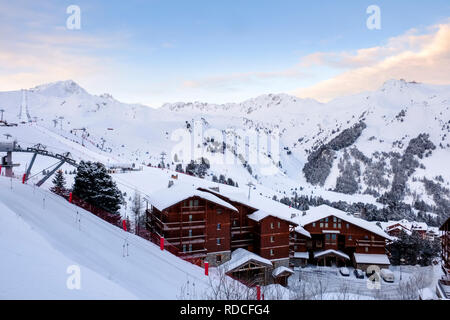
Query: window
point(366, 237)
point(190, 233)
point(326, 225)
point(339, 226)
point(349, 237)
point(272, 252)
point(234, 223)
point(184, 248)
point(191, 203)
point(326, 219)
point(219, 211)
point(347, 226)
point(373, 238)
point(321, 225)
point(218, 241)
point(314, 225)
point(190, 247)
point(272, 239)
point(334, 225)
point(334, 219)
point(196, 203)
point(219, 226)
point(327, 236)
point(271, 225)
point(190, 217)
point(367, 249)
point(279, 225)
point(333, 237)
point(295, 247)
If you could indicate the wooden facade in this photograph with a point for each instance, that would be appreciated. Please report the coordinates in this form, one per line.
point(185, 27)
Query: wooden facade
point(337, 234)
point(269, 237)
point(200, 228)
point(445, 241)
point(195, 226)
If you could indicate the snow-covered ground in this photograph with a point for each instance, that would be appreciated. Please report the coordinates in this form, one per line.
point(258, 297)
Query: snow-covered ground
point(43, 235)
point(332, 285)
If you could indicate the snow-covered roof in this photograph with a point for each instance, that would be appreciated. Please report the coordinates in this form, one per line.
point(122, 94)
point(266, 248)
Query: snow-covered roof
point(318, 254)
point(422, 226)
point(302, 231)
point(316, 213)
point(276, 272)
point(401, 228)
point(168, 197)
point(242, 256)
point(301, 255)
point(265, 207)
point(261, 214)
point(367, 258)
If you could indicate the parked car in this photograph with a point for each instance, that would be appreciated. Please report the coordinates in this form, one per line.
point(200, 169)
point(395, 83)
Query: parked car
point(359, 273)
point(344, 271)
point(387, 275)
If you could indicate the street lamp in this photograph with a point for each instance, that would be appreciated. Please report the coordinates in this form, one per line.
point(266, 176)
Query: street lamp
point(402, 261)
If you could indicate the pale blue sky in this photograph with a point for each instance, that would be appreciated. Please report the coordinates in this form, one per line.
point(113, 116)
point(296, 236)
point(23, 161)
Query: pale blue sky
point(216, 51)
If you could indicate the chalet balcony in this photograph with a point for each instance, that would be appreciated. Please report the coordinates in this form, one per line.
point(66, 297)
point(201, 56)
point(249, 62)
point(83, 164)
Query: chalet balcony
point(201, 253)
point(370, 243)
point(177, 241)
point(184, 225)
point(193, 210)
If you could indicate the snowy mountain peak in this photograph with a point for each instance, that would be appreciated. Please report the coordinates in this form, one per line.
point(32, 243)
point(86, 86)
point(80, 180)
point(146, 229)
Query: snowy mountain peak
point(395, 84)
point(59, 89)
point(250, 106)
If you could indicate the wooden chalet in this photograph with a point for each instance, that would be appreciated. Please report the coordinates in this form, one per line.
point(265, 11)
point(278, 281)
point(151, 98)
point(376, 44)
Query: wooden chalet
point(445, 241)
point(338, 238)
point(264, 231)
point(195, 222)
point(443, 286)
point(247, 267)
point(210, 225)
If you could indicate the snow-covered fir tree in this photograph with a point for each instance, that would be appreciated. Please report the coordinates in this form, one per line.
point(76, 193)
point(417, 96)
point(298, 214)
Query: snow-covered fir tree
point(59, 183)
point(94, 185)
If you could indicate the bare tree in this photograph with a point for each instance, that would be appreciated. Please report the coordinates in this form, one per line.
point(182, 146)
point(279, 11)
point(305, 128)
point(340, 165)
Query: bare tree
point(223, 287)
point(136, 209)
point(413, 286)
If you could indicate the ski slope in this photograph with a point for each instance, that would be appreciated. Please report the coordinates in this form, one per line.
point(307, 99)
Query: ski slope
point(42, 235)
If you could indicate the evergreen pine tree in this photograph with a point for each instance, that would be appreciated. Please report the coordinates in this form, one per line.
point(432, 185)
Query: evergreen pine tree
point(59, 183)
point(94, 185)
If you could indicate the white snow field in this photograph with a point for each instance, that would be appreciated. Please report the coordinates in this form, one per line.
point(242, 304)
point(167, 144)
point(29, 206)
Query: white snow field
point(42, 235)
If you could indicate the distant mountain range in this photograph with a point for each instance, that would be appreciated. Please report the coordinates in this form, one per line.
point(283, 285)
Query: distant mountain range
point(390, 147)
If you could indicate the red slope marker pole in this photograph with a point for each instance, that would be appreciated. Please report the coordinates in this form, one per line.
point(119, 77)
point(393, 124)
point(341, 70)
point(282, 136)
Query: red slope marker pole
point(161, 243)
point(124, 223)
point(258, 293)
point(23, 178)
point(70, 197)
point(206, 268)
